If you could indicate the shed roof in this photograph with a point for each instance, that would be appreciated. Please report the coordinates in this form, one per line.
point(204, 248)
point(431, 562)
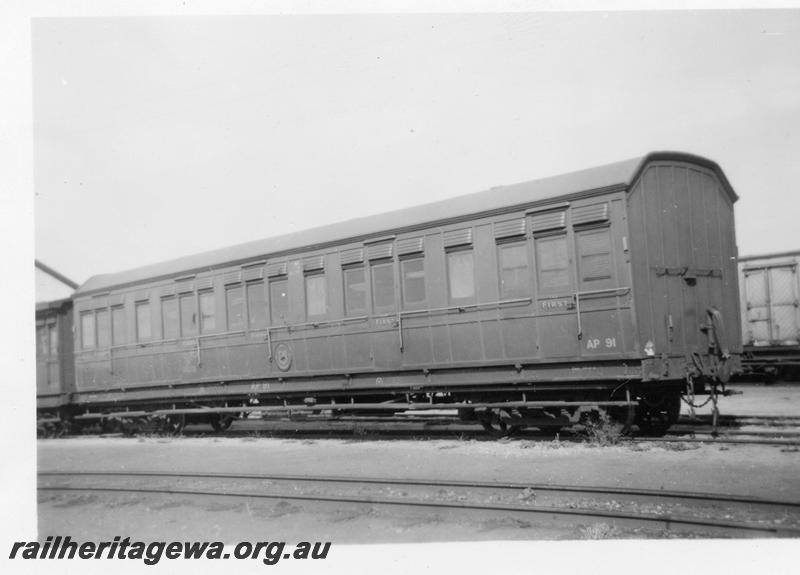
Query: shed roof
point(616, 175)
point(52, 305)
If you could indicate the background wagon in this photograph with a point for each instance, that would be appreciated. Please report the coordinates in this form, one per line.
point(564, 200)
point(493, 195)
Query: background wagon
point(770, 301)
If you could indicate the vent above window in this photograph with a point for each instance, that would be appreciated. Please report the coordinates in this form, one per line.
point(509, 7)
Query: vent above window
point(590, 214)
point(458, 238)
point(410, 246)
point(509, 228)
point(549, 220)
point(380, 251)
point(100, 302)
point(232, 278)
point(276, 269)
point(314, 263)
point(116, 299)
point(141, 295)
point(205, 283)
point(253, 273)
point(167, 290)
point(185, 286)
point(352, 256)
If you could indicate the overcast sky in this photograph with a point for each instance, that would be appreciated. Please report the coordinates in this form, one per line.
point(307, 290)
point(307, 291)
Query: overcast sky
point(161, 137)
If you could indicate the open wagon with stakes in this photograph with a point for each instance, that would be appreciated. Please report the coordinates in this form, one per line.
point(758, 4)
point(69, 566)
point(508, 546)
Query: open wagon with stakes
point(612, 288)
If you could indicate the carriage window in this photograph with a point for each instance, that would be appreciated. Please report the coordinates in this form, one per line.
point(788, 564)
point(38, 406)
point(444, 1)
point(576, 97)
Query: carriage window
point(256, 304)
point(278, 301)
point(594, 251)
point(143, 321)
point(514, 276)
point(552, 264)
point(117, 325)
point(207, 321)
point(53, 332)
point(188, 315)
point(47, 340)
point(234, 301)
point(461, 276)
point(169, 317)
point(87, 330)
point(316, 300)
point(355, 290)
point(413, 271)
point(103, 328)
point(383, 286)
point(41, 340)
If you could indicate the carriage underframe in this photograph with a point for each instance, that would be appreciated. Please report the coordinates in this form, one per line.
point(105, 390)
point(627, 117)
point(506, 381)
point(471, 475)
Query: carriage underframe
point(646, 393)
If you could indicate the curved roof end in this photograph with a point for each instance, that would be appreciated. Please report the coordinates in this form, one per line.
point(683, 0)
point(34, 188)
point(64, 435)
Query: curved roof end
point(690, 158)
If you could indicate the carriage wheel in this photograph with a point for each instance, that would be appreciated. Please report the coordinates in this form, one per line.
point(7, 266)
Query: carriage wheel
point(657, 412)
point(62, 428)
point(111, 425)
point(624, 416)
point(174, 424)
point(492, 422)
point(466, 414)
point(221, 422)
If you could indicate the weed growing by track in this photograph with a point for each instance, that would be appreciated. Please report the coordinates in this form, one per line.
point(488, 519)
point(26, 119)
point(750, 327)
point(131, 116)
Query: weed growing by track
point(599, 531)
point(602, 431)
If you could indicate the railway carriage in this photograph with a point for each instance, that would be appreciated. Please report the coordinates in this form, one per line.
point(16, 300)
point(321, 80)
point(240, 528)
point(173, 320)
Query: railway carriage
point(55, 367)
point(609, 288)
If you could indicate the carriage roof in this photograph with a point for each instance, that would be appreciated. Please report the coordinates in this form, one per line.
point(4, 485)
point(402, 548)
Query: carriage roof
point(618, 175)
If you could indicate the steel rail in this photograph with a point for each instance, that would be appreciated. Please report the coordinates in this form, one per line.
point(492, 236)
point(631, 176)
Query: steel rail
point(774, 438)
point(540, 510)
point(345, 434)
point(504, 485)
point(765, 433)
point(718, 439)
point(736, 418)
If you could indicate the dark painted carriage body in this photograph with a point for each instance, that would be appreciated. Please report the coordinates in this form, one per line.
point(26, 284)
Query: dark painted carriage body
point(55, 367)
point(605, 260)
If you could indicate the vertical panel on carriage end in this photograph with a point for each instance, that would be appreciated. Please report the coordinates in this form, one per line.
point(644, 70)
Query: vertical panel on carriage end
point(55, 370)
point(683, 257)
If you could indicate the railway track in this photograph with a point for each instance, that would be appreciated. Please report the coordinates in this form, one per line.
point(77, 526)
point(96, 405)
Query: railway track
point(742, 430)
point(781, 430)
point(677, 512)
point(388, 429)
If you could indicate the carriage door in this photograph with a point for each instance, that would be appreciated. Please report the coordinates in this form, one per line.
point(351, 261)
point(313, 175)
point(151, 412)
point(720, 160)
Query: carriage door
point(600, 300)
